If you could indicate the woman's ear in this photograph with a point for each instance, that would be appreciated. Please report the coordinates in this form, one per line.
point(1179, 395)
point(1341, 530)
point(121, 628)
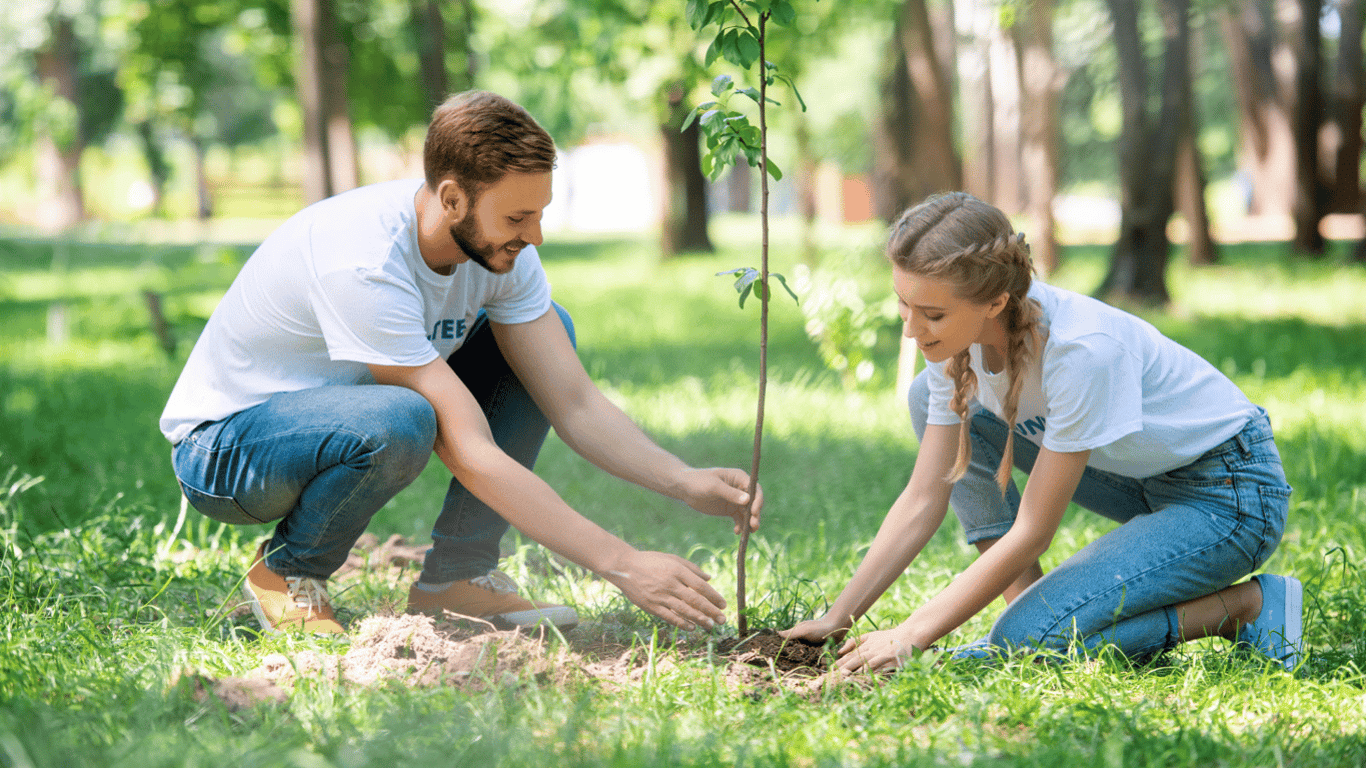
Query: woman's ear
point(998, 304)
point(454, 202)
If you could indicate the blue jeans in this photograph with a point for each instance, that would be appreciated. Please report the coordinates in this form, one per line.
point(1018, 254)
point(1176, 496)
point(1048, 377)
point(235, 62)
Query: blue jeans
point(1184, 534)
point(320, 462)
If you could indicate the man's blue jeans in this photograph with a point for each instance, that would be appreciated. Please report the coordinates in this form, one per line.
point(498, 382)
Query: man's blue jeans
point(320, 462)
point(1184, 534)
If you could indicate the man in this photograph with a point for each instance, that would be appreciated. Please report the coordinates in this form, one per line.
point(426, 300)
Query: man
point(400, 318)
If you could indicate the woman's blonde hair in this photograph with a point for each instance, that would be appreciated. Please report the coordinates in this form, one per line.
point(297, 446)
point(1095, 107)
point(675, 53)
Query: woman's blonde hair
point(965, 242)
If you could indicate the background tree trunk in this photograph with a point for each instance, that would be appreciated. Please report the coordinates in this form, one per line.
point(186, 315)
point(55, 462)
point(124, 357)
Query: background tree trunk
point(684, 228)
point(914, 145)
point(1266, 148)
point(1306, 118)
point(329, 143)
point(58, 157)
point(1349, 99)
point(1147, 153)
point(1040, 83)
point(429, 32)
point(1190, 184)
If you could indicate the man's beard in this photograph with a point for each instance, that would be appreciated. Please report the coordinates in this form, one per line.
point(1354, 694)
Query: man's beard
point(465, 234)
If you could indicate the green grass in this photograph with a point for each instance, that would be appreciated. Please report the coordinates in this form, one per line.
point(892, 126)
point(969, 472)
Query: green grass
point(100, 606)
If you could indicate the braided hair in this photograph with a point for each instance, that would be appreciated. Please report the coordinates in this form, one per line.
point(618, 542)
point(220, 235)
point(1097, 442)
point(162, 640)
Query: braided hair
point(965, 242)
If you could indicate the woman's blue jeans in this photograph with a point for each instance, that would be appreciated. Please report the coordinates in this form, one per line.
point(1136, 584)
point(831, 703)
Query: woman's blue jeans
point(320, 462)
point(1184, 534)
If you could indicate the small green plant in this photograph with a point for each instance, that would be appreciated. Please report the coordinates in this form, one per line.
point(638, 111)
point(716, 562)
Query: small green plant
point(741, 33)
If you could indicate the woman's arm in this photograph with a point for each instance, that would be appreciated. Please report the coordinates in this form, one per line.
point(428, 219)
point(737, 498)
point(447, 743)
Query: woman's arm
point(1051, 485)
point(912, 520)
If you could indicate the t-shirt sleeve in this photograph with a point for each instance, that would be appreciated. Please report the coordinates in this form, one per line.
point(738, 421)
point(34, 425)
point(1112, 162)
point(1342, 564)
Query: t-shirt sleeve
point(1094, 394)
point(370, 316)
point(524, 295)
point(941, 395)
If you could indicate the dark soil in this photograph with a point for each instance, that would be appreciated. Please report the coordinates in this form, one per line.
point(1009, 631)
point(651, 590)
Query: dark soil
point(787, 656)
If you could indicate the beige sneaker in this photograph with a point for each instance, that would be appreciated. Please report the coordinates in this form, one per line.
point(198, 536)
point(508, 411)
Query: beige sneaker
point(288, 602)
point(492, 597)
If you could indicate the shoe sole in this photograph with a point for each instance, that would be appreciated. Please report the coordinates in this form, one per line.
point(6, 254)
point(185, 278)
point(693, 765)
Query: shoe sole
point(1294, 621)
point(255, 604)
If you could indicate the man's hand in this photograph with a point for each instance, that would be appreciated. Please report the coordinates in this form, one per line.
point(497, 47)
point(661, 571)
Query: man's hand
point(723, 492)
point(816, 630)
point(880, 651)
point(669, 587)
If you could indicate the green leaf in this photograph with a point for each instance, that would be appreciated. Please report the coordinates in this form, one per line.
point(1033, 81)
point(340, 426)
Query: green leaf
point(783, 280)
point(744, 295)
point(783, 12)
point(774, 172)
point(721, 84)
point(697, 12)
point(748, 47)
point(730, 47)
point(713, 51)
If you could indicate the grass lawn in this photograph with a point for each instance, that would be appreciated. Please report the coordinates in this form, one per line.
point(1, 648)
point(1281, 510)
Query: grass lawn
point(105, 599)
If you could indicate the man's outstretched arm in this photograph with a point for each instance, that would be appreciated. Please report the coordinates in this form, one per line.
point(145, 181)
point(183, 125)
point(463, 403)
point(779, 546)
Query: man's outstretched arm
point(667, 586)
point(541, 355)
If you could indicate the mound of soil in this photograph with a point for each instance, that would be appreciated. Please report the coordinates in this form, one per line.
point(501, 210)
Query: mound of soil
point(766, 647)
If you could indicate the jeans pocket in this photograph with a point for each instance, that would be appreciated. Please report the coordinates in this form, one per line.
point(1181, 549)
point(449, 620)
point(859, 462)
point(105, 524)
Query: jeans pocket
point(224, 509)
point(1275, 506)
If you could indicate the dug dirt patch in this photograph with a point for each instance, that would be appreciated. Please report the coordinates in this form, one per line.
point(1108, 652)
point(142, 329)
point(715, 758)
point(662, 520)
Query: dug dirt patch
point(766, 648)
point(420, 652)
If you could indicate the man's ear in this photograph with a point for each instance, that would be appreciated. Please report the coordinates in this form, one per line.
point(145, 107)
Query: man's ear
point(454, 202)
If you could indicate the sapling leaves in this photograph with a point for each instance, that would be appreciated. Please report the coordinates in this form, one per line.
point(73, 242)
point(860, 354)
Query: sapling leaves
point(747, 281)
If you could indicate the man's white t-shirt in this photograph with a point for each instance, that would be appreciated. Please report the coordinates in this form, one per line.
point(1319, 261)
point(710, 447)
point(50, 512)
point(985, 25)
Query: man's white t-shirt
point(1110, 383)
point(337, 287)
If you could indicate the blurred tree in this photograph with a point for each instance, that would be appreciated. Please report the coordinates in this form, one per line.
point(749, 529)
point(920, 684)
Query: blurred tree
point(58, 95)
point(914, 138)
point(321, 80)
point(187, 73)
point(644, 53)
point(1349, 99)
point(1147, 151)
point(1040, 83)
point(1306, 41)
point(1266, 152)
point(61, 145)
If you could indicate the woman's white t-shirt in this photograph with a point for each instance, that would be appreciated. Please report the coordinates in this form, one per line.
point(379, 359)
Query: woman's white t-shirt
point(339, 286)
point(1110, 383)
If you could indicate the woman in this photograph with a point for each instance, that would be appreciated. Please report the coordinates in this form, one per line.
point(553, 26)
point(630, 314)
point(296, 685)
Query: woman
point(1098, 408)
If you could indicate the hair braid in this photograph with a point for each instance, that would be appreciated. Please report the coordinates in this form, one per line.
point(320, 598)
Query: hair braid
point(964, 388)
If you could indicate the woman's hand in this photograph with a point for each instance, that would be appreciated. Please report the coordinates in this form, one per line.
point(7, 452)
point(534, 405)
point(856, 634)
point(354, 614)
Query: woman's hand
point(879, 651)
point(816, 630)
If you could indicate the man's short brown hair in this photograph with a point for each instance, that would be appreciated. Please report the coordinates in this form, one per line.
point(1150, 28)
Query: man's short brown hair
point(477, 137)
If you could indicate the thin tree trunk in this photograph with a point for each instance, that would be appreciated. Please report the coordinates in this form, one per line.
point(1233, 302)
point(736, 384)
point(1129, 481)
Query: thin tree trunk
point(203, 195)
point(1190, 184)
point(1266, 154)
point(158, 169)
point(914, 139)
point(58, 157)
point(1349, 99)
point(1147, 153)
point(1306, 117)
point(1040, 83)
point(329, 144)
point(684, 228)
point(429, 30)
